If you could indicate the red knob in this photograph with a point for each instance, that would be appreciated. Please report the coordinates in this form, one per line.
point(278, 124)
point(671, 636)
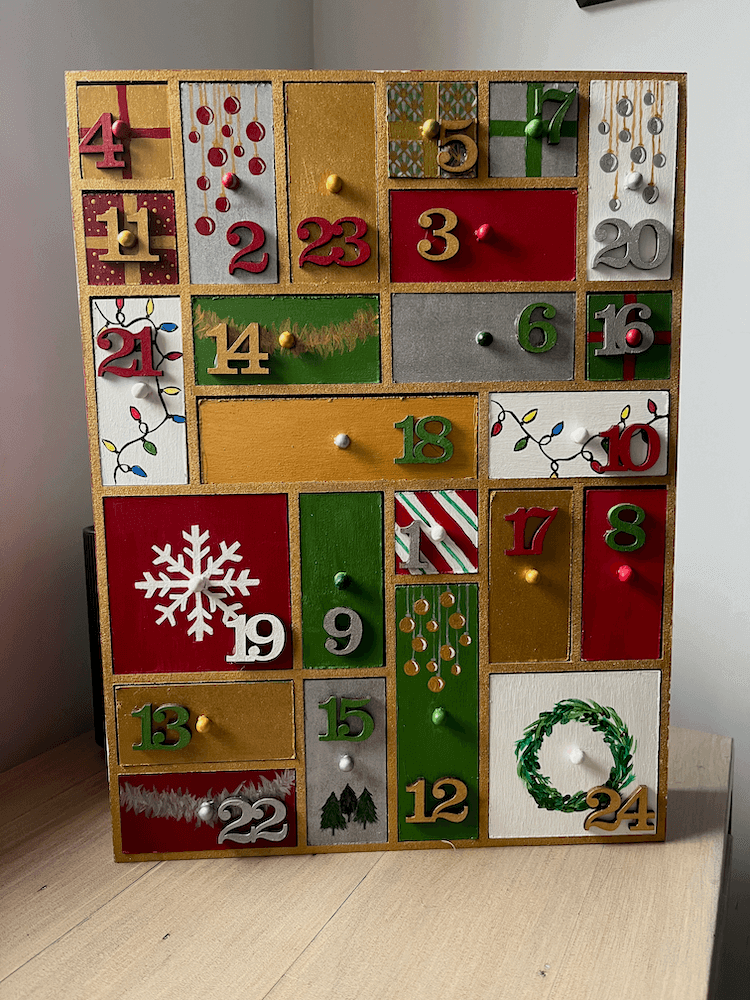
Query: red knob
point(633, 337)
point(230, 180)
point(624, 573)
point(120, 129)
point(484, 233)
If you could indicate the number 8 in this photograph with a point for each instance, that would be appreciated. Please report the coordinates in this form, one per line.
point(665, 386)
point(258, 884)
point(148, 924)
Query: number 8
point(352, 632)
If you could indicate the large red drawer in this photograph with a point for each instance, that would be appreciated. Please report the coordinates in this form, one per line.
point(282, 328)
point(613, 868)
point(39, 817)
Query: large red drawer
point(533, 235)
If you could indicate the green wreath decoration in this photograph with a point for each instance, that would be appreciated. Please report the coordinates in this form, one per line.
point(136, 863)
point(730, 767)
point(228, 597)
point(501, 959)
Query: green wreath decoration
point(602, 720)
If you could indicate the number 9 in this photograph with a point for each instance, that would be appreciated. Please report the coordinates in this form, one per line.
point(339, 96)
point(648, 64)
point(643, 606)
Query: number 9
point(352, 632)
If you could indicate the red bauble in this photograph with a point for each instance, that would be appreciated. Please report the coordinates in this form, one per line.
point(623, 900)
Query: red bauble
point(256, 165)
point(231, 105)
point(222, 204)
point(204, 115)
point(203, 183)
point(217, 156)
point(255, 132)
point(226, 130)
point(205, 225)
point(239, 150)
point(194, 136)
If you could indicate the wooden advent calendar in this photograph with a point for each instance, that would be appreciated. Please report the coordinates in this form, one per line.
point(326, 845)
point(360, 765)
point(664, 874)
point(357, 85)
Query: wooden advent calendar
point(381, 373)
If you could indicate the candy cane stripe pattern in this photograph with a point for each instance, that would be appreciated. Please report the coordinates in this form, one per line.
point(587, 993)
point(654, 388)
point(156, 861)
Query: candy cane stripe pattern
point(455, 511)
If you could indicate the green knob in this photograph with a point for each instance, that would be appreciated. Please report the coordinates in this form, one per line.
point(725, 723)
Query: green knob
point(439, 716)
point(342, 581)
point(536, 128)
point(484, 339)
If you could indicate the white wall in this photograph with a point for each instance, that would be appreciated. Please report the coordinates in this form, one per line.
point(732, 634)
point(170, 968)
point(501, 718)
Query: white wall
point(44, 481)
point(708, 39)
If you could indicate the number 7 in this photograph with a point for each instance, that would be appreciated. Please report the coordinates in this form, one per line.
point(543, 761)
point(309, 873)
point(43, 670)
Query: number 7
point(566, 97)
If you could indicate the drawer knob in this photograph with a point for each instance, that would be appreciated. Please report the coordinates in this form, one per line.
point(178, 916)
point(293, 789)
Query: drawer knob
point(531, 576)
point(342, 440)
point(346, 763)
point(484, 234)
point(287, 340)
point(140, 390)
point(341, 581)
point(634, 180)
point(633, 337)
point(484, 339)
point(439, 716)
point(576, 755)
point(437, 533)
point(202, 724)
point(230, 180)
point(334, 183)
point(206, 811)
point(535, 128)
point(579, 435)
point(127, 239)
point(624, 573)
point(120, 129)
point(430, 128)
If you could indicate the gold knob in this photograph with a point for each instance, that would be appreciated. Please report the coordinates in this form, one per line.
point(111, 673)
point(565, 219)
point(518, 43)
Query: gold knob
point(430, 128)
point(126, 238)
point(202, 724)
point(531, 576)
point(287, 339)
point(334, 183)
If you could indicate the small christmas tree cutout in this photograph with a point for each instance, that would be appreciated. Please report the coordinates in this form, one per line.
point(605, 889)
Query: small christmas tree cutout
point(366, 811)
point(348, 801)
point(331, 817)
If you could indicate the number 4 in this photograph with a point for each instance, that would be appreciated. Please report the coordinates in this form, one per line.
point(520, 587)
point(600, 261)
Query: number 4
point(108, 146)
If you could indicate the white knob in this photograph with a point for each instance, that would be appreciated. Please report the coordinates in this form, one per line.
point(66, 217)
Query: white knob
point(576, 755)
point(346, 763)
point(437, 533)
point(342, 440)
point(579, 435)
point(634, 180)
point(140, 390)
point(206, 811)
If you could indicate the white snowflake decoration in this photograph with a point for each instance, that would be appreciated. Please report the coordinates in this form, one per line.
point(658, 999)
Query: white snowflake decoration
point(182, 582)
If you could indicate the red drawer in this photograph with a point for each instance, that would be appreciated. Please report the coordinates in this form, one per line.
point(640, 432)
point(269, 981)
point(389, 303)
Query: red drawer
point(623, 591)
point(532, 238)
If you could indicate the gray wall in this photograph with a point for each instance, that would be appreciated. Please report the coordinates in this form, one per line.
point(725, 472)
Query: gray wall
point(45, 499)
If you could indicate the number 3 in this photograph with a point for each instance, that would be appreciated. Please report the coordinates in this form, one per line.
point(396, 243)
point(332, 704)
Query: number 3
point(445, 232)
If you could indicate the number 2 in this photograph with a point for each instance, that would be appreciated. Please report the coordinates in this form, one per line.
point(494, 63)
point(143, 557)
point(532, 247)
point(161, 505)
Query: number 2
point(444, 232)
point(441, 809)
point(258, 239)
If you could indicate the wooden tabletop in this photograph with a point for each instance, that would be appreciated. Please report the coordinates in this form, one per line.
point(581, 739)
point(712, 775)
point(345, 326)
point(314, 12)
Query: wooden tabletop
point(565, 923)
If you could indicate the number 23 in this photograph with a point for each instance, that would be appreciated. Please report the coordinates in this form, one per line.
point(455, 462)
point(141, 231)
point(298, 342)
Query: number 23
point(327, 232)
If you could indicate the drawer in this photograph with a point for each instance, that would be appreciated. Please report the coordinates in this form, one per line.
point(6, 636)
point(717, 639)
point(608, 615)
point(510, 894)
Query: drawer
point(633, 128)
point(205, 723)
point(556, 736)
point(244, 340)
point(612, 351)
point(341, 552)
point(623, 574)
point(208, 811)
point(330, 130)
point(178, 564)
point(228, 128)
point(436, 532)
point(532, 238)
point(565, 434)
point(437, 636)
point(551, 149)
point(292, 440)
point(530, 553)
point(444, 338)
point(345, 761)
